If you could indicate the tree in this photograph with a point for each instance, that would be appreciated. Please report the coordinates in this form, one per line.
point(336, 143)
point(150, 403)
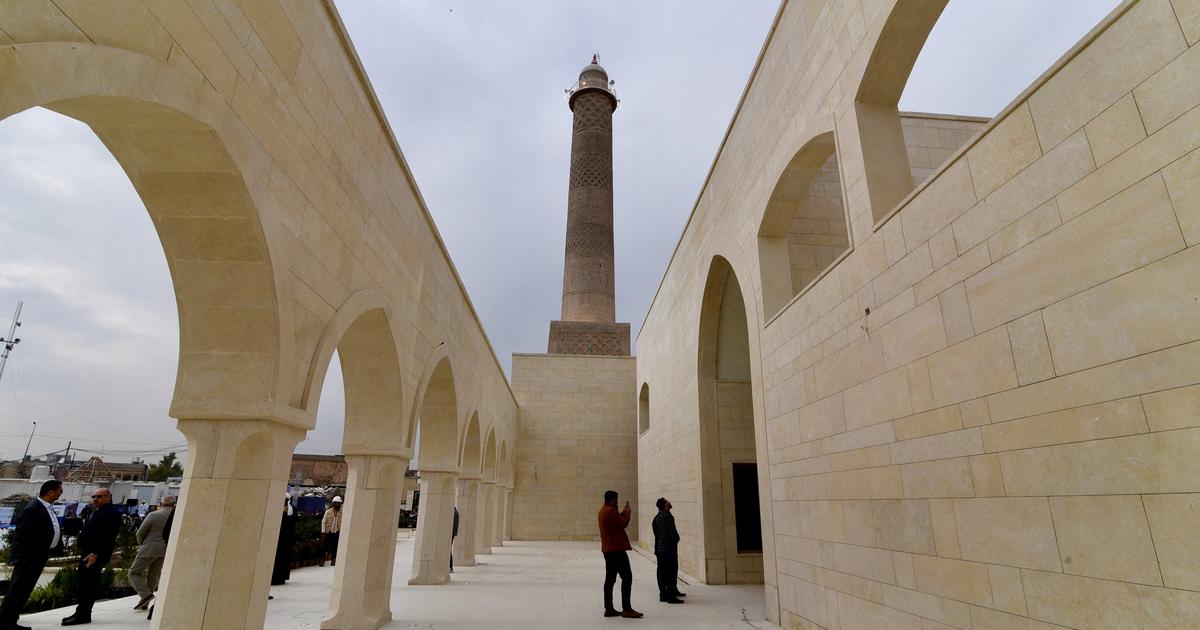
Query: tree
point(168, 467)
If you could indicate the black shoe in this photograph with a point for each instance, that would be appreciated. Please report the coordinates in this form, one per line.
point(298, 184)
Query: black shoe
point(76, 620)
point(612, 613)
point(678, 594)
point(670, 600)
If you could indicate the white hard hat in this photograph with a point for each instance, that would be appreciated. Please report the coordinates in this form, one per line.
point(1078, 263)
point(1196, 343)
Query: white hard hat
point(337, 499)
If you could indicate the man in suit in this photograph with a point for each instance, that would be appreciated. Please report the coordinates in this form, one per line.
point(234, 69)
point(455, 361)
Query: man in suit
point(37, 533)
point(95, 550)
point(152, 549)
point(666, 548)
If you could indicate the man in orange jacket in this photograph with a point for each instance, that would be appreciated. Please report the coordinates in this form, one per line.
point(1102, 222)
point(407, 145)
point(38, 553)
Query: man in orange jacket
point(614, 543)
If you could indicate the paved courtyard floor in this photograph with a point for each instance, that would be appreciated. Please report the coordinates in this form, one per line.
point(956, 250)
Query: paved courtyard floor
point(521, 585)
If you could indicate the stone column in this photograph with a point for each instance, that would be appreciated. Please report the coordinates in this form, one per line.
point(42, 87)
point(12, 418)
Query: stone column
point(506, 534)
point(435, 519)
point(483, 532)
point(217, 572)
point(464, 544)
point(362, 581)
point(497, 516)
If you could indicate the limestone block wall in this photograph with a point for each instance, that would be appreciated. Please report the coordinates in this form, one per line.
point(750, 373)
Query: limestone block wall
point(1008, 438)
point(577, 438)
point(930, 139)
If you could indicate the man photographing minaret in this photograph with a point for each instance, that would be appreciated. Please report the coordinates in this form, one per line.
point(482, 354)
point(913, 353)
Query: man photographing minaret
point(614, 544)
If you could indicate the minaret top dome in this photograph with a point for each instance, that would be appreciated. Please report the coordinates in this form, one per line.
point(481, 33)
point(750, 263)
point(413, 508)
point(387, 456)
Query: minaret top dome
point(592, 77)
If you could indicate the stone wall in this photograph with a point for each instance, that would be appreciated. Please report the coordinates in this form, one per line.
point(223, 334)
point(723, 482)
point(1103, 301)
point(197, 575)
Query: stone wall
point(1008, 437)
point(577, 437)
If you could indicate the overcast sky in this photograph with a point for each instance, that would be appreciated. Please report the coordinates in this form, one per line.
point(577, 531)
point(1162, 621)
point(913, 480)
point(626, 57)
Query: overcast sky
point(474, 94)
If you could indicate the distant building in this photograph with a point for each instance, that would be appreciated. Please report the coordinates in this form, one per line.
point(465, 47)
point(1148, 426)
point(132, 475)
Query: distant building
point(319, 470)
point(90, 470)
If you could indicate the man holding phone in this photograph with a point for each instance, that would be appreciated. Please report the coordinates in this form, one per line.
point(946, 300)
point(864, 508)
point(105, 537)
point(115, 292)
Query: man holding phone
point(614, 544)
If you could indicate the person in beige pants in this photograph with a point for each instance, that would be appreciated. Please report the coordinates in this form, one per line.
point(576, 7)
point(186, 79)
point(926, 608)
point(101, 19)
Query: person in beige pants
point(152, 549)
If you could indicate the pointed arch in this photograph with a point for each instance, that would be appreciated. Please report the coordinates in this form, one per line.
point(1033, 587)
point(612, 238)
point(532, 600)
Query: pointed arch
point(644, 409)
point(804, 230)
point(185, 156)
point(437, 418)
point(884, 156)
point(728, 467)
point(490, 450)
point(362, 334)
point(471, 456)
point(502, 476)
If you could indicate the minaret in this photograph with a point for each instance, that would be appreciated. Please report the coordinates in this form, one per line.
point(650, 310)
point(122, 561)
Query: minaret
point(588, 324)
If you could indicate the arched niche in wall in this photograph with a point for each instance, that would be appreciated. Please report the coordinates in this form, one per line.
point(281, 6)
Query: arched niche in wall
point(804, 230)
point(644, 409)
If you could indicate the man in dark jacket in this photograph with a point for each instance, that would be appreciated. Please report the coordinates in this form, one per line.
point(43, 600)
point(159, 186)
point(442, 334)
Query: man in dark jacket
point(666, 548)
point(37, 533)
point(614, 543)
point(95, 550)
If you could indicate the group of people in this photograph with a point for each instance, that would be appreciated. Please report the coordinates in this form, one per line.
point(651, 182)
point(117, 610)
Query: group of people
point(614, 544)
point(38, 534)
point(331, 527)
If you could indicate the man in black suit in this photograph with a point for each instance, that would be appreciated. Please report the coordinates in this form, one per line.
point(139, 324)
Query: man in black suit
point(95, 550)
point(37, 533)
point(666, 547)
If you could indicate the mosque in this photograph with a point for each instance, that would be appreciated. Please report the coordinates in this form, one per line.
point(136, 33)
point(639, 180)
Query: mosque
point(903, 370)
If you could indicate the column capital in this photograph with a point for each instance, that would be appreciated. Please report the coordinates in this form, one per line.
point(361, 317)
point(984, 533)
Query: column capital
point(436, 474)
point(239, 448)
point(367, 451)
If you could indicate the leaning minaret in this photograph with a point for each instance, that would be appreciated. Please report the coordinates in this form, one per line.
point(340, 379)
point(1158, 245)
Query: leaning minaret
point(588, 324)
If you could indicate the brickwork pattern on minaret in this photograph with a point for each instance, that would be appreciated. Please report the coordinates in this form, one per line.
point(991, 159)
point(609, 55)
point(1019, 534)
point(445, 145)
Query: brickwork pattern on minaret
point(588, 283)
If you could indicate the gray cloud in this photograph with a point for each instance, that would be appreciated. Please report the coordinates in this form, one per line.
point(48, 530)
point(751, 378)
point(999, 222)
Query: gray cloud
point(474, 96)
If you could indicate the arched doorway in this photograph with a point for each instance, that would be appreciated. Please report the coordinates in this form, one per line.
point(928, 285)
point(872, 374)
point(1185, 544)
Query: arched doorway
point(732, 550)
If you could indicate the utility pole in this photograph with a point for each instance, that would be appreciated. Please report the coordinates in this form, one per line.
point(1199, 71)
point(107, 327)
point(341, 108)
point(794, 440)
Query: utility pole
point(10, 341)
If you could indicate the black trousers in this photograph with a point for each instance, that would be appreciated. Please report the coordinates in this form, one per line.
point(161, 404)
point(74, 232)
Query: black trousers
point(617, 563)
point(24, 577)
point(87, 587)
point(668, 569)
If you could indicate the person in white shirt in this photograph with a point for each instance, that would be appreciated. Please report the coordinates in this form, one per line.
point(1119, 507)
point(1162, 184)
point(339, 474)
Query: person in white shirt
point(37, 534)
point(331, 525)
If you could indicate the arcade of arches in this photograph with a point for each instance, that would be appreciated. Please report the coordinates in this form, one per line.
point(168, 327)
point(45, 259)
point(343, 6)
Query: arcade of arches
point(907, 369)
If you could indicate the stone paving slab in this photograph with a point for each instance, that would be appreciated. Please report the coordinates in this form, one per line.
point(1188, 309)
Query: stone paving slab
point(521, 585)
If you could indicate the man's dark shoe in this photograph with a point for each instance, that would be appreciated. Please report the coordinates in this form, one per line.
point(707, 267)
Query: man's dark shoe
point(678, 594)
point(670, 600)
point(612, 613)
point(76, 620)
point(144, 603)
point(631, 614)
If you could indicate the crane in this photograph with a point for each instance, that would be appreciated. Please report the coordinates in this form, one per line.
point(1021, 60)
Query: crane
point(10, 341)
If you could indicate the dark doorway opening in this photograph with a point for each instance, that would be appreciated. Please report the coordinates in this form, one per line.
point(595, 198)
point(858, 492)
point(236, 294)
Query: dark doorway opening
point(747, 521)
